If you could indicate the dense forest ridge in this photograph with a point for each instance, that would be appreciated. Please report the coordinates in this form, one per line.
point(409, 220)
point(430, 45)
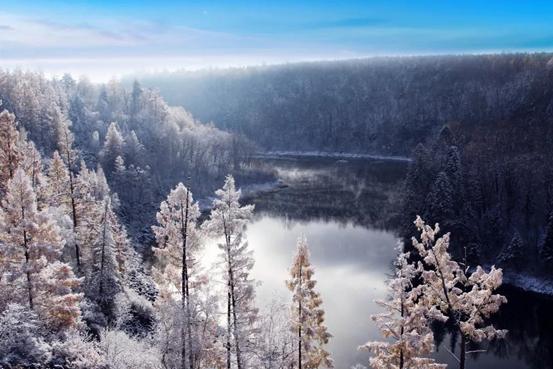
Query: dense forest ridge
point(381, 106)
point(143, 145)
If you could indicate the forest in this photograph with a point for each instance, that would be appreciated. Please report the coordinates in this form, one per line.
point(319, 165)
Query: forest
point(110, 195)
point(380, 105)
point(483, 121)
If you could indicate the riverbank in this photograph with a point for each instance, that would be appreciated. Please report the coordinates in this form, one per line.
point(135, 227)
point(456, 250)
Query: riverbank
point(527, 283)
point(325, 154)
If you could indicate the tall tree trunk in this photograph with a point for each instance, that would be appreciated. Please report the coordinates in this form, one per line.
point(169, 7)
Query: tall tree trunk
point(11, 159)
point(73, 211)
point(232, 302)
point(184, 329)
point(300, 322)
point(103, 252)
point(28, 272)
point(402, 332)
point(228, 325)
point(186, 286)
point(235, 325)
point(69, 160)
point(183, 346)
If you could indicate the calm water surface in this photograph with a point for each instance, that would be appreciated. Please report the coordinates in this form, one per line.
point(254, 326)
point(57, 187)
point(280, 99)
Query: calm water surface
point(344, 208)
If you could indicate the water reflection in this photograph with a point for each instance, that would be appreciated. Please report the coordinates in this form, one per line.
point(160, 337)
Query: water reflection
point(358, 191)
point(344, 209)
point(351, 264)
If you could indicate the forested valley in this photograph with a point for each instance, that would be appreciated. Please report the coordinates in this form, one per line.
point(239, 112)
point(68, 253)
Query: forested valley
point(479, 129)
point(110, 197)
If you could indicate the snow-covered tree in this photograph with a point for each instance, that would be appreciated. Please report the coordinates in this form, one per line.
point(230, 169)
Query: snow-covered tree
point(440, 200)
point(33, 246)
point(103, 270)
point(10, 153)
point(77, 351)
point(135, 103)
point(513, 253)
point(69, 156)
point(134, 150)
point(208, 350)
point(453, 294)
point(120, 177)
point(31, 164)
point(228, 220)
point(405, 324)
point(276, 343)
point(57, 302)
point(21, 342)
point(124, 352)
point(307, 313)
point(113, 147)
point(30, 239)
point(178, 243)
point(58, 179)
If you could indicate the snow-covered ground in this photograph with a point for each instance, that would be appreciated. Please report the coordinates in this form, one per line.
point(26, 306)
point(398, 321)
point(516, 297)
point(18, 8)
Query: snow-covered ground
point(325, 154)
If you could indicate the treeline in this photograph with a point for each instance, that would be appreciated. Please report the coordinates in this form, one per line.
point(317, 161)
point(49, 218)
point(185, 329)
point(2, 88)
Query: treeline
point(378, 105)
point(143, 145)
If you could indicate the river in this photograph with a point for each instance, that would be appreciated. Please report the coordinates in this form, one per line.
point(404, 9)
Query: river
point(347, 209)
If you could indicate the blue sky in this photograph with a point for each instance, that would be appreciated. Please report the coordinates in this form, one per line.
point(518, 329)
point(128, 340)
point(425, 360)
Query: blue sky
point(105, 38)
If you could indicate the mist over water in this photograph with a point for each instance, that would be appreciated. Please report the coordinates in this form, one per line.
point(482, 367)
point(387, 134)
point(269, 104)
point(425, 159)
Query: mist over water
point(344, 209)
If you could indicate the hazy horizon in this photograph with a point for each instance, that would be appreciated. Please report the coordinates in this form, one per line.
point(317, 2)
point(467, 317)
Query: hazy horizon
point(103, 40)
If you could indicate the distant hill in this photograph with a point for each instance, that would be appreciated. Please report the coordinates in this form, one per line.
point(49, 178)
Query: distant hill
point(375, 106)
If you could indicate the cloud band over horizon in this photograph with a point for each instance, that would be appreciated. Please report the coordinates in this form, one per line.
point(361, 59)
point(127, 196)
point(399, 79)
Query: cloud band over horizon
point(101, 39)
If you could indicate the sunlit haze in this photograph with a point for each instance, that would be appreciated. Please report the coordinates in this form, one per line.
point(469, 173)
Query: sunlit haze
point(102, 39)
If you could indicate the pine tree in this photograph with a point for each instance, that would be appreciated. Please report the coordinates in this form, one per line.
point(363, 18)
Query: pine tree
point(134, 105)
point(32, 163)
point(104, 279)
point(513, 253)
point(307, 313)
point(69, 156)
point(28, 235)
point(178, 244)
point(59, 303)
point(465, 300)
point(58, 179)
point(10, 153)
point(113, 147)
point(134, 150)
point(120, 176)
point(453, 169)
point(21, 344)
point(440, 200)
point(404, 325)
point(229, 219)
point(102, 105)
point(33, 245)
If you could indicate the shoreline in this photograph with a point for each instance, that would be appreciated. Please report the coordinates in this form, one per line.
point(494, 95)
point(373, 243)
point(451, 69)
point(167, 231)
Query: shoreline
point(330, 155)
